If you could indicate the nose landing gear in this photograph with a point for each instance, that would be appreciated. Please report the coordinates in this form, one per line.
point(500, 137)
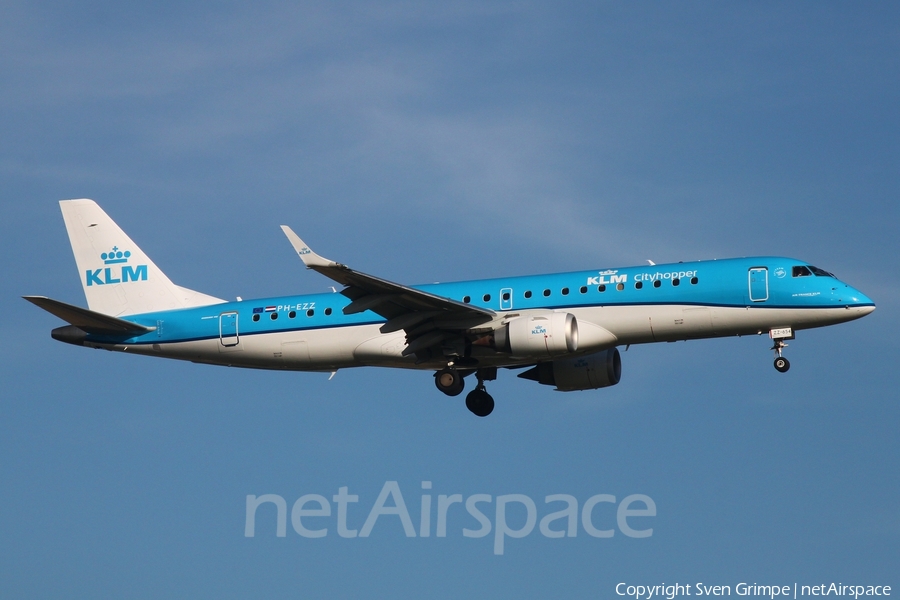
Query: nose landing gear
point(781, 363)
point(778, 336)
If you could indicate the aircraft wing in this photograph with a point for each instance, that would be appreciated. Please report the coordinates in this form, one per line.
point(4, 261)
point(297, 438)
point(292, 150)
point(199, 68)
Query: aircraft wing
point(427, 319)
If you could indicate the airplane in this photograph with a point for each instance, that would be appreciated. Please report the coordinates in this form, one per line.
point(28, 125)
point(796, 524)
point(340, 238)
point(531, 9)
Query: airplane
point(565, 328)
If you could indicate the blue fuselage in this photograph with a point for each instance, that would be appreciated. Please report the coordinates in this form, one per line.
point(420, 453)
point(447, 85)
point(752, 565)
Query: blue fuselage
point(769, 284)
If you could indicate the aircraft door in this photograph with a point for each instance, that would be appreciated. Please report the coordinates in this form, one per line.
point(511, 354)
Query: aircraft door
point(228, 329)
point(506, 299)
point(759, 284)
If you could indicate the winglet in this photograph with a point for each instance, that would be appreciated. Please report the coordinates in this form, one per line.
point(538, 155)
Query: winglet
point(309, 258)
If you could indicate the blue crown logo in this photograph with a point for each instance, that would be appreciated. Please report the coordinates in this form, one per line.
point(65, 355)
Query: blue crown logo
point(116, 256)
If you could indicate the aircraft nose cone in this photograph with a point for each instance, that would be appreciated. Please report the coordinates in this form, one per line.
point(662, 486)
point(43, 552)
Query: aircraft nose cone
point(864, 310)
point(860, 302)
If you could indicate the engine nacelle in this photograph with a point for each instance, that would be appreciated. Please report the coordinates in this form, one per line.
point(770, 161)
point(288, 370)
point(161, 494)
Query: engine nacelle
point(589, 372)
point(542, 334)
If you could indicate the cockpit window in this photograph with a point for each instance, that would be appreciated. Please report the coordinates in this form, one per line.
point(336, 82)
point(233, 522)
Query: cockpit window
point(800, 272)
point(821, 272)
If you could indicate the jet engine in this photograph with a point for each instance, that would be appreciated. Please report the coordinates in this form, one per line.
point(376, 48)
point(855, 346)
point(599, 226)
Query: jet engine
point(543, 334)
point(589, 372)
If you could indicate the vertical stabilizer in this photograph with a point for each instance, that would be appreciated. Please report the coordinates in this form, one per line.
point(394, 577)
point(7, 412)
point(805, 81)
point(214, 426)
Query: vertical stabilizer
point(117, 277)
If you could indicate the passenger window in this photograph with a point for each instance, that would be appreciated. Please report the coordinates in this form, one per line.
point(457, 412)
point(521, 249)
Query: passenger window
point(638, 285)
point(506, 295)
point(274, 316)
point(657, 283)
point(467, 299)
point(676, 282)
point(694, 280)
point(546, 292)
point(800, 272)
point(620, 286)
point(310, 312)
point(583, 289)
point(327, 312)
point(565, 291)
point(486, 297)
point(256, 317)
point(528, 294)
point(601, 288)
point(292, 314)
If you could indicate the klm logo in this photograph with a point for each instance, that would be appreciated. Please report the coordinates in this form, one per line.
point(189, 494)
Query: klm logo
point(539, 330)
point(116, 256)
point(120, 274)
point(607, 277)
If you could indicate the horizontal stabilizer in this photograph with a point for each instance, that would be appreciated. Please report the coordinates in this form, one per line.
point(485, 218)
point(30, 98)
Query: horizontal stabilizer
point(87, 320)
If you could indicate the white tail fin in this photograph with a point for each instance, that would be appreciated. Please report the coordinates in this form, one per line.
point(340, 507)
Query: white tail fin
point(118, 278)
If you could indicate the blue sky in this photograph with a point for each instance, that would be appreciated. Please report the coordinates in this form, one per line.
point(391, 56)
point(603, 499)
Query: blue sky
point(442, 142)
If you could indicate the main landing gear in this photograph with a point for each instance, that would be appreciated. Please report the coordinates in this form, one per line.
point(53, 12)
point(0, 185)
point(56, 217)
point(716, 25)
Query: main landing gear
point(451, 382)
point(479, 401)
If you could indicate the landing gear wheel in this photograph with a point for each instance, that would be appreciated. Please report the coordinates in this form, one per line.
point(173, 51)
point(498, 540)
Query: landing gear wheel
point(782, 364)
point(449, 381)
point(480, 403)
